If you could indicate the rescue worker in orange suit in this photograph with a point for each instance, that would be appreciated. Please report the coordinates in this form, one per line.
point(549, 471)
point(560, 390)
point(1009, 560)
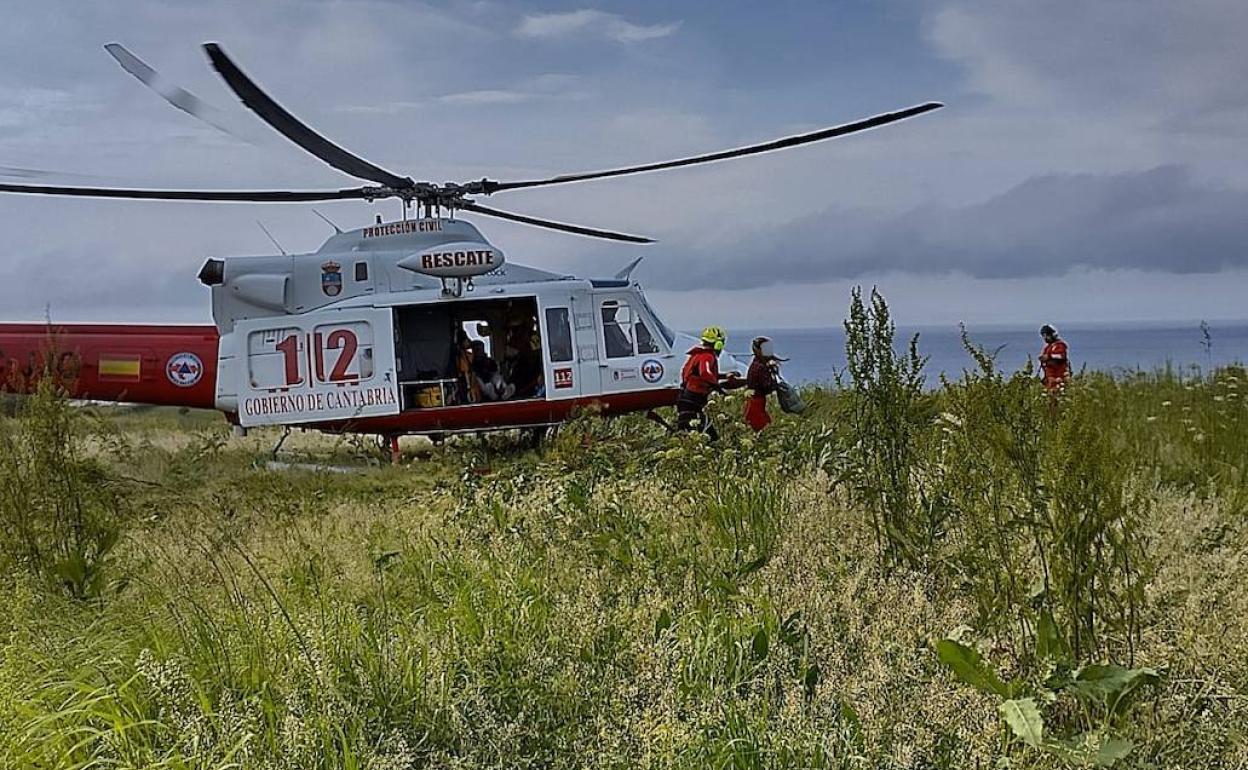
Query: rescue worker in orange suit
point(698, 379)
point(1054, 360)
point(763, 378)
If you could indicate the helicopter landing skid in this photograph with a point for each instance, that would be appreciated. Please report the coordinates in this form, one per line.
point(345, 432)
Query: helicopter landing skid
point(388, 445)
point(278, 446)
point(656, 418)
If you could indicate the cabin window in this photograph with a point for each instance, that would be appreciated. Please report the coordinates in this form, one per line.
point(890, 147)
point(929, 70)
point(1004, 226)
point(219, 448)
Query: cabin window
point(617, 324)
point(361, 271)
point(559, 334)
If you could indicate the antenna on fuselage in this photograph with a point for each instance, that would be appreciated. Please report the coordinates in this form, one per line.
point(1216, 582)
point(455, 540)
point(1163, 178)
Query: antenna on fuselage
point(627, 273)
point(271, 238)
point(337, 229)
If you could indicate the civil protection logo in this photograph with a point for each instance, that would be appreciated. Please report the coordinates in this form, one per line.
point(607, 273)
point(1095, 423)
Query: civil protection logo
point(652, 370)
point(184, 369)
point(331, 278)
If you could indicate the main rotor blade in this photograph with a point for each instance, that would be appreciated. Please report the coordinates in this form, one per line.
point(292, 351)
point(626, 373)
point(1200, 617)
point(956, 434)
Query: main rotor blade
point(240, 196)
point(179, 97)
point(579, 230)
point(754, 149)
point(293, 129)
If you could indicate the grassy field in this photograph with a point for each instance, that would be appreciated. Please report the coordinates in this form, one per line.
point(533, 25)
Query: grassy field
point(967, 577)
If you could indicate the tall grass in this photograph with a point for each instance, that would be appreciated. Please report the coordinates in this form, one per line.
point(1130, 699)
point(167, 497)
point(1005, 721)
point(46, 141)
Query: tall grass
point(888, 413)
point(60, 510)
point(1048, 506)
point(868, 585)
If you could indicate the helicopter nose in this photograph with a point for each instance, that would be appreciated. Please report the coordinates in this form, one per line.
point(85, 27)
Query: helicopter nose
point(730, 363)
point(212, 273)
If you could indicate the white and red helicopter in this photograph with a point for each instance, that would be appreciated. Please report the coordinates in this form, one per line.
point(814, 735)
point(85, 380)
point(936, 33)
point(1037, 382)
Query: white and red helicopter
point(369, 333)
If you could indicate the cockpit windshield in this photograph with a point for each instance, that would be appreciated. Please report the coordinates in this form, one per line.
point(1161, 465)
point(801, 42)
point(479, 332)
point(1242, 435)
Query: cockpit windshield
point(666, 332)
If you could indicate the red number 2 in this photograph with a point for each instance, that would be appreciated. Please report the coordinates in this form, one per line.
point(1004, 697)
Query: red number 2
point(344, 340)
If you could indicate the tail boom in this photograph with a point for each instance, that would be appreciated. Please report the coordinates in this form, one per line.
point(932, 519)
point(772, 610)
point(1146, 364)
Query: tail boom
point(161, 365)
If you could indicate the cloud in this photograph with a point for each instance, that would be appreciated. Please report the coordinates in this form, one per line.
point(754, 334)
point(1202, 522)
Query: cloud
point(1156, 220)
point(547, 87)
point(1076, 133)
point(26, 109)
point(1156, 57)
point(589, 22)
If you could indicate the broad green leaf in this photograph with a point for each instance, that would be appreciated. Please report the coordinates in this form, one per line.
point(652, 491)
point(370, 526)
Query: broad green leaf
point(1049, 641)
point(1092, 748)
point(1024, 719)
point(1111, 684)
point(752, 567)
point(1112, 750)
point(760, 644)
point(850, 718)
point(662, 622)
point(967, 666)
point(792, 632)
point(810, 681)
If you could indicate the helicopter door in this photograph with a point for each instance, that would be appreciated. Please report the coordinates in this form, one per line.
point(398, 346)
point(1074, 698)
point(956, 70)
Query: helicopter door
point(316, 367)
point(562, 370)
point(630, 349)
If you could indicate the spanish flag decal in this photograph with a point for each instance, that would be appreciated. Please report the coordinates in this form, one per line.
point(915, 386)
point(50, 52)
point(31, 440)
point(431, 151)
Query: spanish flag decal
point(120, 367)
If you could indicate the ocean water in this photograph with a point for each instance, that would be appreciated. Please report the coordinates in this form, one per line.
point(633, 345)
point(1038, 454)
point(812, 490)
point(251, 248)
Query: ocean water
point(814, 354)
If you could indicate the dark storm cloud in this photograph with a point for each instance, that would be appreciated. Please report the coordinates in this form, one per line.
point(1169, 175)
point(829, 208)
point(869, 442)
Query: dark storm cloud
point(1156, 220)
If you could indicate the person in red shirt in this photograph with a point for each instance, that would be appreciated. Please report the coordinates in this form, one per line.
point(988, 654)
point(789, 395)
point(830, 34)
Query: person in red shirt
point(763, 378)
point(1054, 360)
point(698, 379)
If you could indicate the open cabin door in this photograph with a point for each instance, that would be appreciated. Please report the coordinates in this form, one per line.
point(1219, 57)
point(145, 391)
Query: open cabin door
point(336, 365)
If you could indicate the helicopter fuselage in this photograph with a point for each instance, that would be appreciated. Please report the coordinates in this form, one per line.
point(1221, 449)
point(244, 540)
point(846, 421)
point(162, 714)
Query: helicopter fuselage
point(383, 330)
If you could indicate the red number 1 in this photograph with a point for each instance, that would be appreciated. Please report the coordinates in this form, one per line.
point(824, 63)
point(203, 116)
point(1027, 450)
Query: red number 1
point(290, 352)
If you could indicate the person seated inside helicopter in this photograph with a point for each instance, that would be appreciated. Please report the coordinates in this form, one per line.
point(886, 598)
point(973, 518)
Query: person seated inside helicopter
point(645, 341)
point(618, 343)
point(489, 379)
point(620, 327)
point(522, 359)
point(467, 389)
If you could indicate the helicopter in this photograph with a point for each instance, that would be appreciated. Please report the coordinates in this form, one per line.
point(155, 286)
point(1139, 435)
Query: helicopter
point(415, 326)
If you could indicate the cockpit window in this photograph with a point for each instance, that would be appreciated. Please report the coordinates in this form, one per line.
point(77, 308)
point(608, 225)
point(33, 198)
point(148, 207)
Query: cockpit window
point(645, 340)
point(667, 333)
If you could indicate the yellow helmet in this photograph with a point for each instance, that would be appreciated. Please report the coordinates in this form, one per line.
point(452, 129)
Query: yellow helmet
point(715, 337)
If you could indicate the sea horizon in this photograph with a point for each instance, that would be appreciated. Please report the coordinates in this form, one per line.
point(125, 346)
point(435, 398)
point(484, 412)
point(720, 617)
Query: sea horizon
point(1117, 347)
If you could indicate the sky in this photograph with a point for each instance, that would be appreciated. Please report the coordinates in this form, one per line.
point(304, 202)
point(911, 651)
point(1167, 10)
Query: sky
point(1089, 165)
